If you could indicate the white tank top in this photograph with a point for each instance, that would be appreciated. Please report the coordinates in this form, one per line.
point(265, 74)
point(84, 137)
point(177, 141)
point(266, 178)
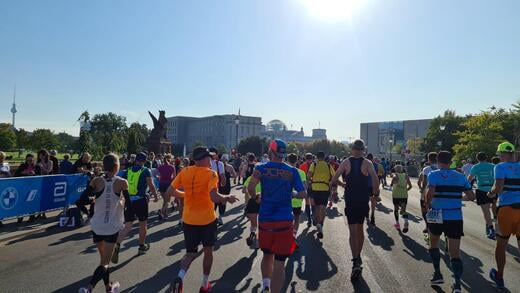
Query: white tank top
point(108, 211)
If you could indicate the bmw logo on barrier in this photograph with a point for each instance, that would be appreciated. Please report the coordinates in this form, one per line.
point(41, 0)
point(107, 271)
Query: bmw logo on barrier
point(8, 198)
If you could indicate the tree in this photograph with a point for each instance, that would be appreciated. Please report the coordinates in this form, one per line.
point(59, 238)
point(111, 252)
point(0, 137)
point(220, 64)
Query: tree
point(221, 149)
point(7, 137)
point(252, 144)
point(23, 140)
point(66, 141)
point(137, 135)
point(109, 133)
point(443, 131)
point(44, 139)
point(413, 145)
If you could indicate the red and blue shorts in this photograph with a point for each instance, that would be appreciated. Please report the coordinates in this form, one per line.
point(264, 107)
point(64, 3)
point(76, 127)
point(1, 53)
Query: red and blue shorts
point(277, 238)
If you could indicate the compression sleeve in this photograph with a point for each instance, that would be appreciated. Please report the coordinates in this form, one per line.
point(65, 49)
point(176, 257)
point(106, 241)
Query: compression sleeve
point(126, 194)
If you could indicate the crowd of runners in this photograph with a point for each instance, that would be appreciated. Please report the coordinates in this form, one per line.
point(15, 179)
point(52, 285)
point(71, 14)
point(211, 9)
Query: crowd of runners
point(283, 190)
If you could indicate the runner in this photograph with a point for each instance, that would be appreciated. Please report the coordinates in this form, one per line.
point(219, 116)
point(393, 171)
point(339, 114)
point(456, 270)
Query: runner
point(507, 187)
point(444, 205)
point(200, 185)
point(423, 185)
point(374, 199)
point(333, 162)
point(384, 163)
point(309, 158)
point(229, 172)
point(248, 167)
point(139, 178)
point(483, 173)
point(111, 192)
point(360, 181)
point(237, 163)
point(319, 176)
point(401, 185)
point(276, 220)
point(167, 173)
point(251, 211)
point(218, 166)
point(297, 203)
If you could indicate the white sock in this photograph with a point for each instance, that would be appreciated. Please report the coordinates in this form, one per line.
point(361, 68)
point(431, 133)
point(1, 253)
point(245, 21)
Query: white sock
point(205, 280)
point(181, 274)
point(266, 283)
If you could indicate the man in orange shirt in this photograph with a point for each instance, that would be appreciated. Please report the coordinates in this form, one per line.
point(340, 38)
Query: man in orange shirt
point(200, 185)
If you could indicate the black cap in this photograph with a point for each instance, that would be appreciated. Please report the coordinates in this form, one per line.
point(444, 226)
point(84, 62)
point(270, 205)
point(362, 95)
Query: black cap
point(213, 150)
point(200, 153)
point(359, 145)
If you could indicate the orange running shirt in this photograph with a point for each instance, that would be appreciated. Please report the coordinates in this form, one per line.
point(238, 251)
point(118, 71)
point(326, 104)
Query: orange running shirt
point(197, 182)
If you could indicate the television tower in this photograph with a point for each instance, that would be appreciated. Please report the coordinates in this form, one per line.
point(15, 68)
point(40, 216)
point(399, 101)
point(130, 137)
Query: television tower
point(13, 109)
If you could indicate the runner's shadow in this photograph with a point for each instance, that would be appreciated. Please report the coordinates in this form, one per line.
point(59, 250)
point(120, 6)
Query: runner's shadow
point(414, 218)
point(379, 237)
point(513, 251)
point(322, 268)
point(234, 275)
point(473, 279)
point(73, 237)
point(162, 279)
point(333, 213)
point(382, 208)
point(415, 250)
point(234, 230)
point(361, 286)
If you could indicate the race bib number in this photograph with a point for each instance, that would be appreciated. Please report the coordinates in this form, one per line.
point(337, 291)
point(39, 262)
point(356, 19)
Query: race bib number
point(434, 217)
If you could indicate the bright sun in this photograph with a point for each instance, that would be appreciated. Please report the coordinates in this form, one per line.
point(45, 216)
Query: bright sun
point(333, 10)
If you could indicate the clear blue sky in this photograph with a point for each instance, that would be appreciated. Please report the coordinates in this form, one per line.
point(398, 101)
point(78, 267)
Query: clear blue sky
point(383, 60)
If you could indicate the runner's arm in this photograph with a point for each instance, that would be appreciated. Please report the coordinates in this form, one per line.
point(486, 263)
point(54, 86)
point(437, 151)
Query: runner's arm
point(231, 170)
point(218, 198)
point(429, 197)
point(374, 178)
point(469, 195)
point(409, 183)
point(151, 186)
point(335, 178)
point(471, 177)
point(497, 188)
point(420, 181)
point(255, 179)
point(126, 194)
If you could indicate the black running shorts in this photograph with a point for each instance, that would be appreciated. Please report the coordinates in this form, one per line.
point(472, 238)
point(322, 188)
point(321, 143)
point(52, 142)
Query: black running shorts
point(138, 210)
point(321, 198)
point(107, 238)
point(399, 201)
point(451, 228)
point(297, 211)
point(194, 235)
point(482, 197)
point(252, 206)
point(356, 212)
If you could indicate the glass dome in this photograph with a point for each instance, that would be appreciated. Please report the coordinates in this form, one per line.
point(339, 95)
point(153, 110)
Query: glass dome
point(276, 126)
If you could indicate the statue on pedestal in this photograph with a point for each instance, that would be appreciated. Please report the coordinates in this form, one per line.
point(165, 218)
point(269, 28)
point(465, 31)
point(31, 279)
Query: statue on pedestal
point(157, 141)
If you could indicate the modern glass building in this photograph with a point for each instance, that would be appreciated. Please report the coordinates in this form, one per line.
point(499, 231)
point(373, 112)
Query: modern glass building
point(383, 137)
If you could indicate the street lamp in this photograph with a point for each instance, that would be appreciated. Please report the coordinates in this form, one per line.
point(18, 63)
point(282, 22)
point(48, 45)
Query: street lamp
point(237, 121)
point(390, 142)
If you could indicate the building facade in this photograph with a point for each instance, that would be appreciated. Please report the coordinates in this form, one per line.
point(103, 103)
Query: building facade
point(384, 138)
point(276, 129)
point(213, 130)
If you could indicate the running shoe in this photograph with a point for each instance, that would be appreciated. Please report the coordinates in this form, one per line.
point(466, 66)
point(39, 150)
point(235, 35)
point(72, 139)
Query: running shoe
point(143, 248)
point(320, 235)
point(425, 231)
point(437, 279)
point(266, 290)
point(205, 289)
point(405, 229)
point(372, 220)
point(455, 288)
point(491, 234)
point(356, 269)
point(309, 223)
point(84, 290)
point(499, 283)
point(114, 287)
point(177, 285)
point(397, 226)
point(251, 239)
point(330, 205)
point(220, 221)
point(115, 254)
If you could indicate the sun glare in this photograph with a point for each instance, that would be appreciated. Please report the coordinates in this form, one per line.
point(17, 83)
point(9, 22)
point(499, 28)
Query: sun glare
point(333, 10)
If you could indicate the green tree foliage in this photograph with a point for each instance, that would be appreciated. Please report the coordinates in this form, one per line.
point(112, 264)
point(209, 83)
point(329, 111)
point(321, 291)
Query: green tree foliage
point(7, 137)
point(328, 147)
point(452, 123)
point(108, 131)
point(221, 149)
point(253, 144)
point(44, 139)
point(66, 142)
point(413, 145)
point(23, 139)
point(137, 135)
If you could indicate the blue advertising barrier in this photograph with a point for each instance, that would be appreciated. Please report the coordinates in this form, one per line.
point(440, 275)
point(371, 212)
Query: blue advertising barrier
point(30, 195)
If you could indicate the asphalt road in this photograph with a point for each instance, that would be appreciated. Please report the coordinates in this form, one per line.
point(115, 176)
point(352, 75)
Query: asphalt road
point(58, 260)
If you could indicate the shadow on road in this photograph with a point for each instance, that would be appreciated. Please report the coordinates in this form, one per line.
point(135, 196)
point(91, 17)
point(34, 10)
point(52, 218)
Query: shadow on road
point(415, 250)
point(333, 213)
point(162, 279)
point(473, 279)
point(313, 263)
point(379, 237)
point(382, 208)
point(235, 274)
point(361, 286)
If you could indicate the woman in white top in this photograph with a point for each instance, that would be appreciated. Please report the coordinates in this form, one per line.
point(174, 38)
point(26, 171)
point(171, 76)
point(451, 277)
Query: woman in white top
point(5, 171)
point(111, 196)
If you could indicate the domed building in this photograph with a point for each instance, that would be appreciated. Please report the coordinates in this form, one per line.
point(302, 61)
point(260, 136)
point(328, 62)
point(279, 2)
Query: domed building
point(275, 126)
